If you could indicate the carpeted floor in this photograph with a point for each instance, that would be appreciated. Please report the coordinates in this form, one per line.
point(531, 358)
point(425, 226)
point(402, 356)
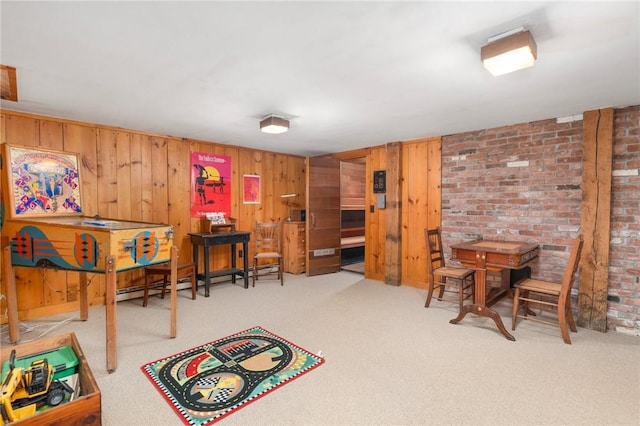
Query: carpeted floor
point(416, 369)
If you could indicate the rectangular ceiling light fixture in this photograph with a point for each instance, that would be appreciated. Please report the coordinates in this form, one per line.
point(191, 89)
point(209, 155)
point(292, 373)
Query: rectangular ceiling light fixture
point(274, 125)
point(509, 51)
point(8, 83)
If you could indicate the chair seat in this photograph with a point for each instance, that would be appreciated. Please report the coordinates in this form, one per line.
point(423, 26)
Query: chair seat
point(456, 273)
point(165, 268)
point(540, 286)
point(265, 255)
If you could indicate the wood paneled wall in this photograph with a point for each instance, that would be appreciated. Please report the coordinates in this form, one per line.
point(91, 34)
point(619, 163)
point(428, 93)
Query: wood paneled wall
point(420, 206)
point(132, 175)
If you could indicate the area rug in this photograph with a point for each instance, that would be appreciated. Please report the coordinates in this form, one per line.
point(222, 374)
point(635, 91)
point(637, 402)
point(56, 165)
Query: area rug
point(211, 381)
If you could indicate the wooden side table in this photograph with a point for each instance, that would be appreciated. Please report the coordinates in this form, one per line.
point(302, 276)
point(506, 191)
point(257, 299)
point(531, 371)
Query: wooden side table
point(208, 239)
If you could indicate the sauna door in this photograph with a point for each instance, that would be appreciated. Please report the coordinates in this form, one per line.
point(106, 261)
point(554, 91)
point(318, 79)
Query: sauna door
point(323, 215)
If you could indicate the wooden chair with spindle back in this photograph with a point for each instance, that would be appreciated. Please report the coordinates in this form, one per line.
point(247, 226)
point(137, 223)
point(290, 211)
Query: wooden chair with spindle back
point(445, 278)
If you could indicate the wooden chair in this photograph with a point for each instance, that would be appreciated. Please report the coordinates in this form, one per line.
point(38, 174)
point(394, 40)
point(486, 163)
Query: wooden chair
point(547, 293)
point(267, 253)
point(164, 269)
point(445, 278)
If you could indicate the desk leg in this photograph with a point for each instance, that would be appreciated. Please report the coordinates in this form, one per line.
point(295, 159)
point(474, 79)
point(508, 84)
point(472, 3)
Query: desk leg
point(206, 270)
point(195, 255)
point(245, 263)
point(233, 262)
point(110, 308)
point(479, 306)
point(12, 299)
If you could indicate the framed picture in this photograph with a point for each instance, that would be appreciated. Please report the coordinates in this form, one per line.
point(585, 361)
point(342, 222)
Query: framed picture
point(210, 184)
point(250, 189)
point(42, 182)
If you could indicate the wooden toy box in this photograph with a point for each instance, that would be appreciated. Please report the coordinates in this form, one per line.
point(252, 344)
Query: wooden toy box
point(85, 409)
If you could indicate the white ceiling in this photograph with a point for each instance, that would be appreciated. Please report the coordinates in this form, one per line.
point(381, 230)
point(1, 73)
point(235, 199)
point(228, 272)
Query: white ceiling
point(347, 74)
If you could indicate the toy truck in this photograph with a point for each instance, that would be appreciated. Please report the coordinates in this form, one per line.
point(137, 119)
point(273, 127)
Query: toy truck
point(25, 389)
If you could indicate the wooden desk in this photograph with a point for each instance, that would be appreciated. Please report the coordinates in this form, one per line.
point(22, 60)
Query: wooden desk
point(87, 244)
point(206, 240)
point(491, 255)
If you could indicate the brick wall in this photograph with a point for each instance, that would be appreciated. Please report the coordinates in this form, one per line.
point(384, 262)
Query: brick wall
point(623, 311)
point(524, 182)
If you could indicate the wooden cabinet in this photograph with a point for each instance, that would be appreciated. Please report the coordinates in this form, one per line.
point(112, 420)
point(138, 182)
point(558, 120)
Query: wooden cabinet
point(294, 247)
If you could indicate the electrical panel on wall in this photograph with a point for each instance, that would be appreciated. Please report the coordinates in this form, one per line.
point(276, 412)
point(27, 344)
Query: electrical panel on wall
point(379, 181)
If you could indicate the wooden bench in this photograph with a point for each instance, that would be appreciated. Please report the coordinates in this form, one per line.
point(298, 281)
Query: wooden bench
point(352, 237)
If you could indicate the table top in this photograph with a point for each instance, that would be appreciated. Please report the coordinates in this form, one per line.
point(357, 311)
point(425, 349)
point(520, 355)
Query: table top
point(507, 247)
point(218, 234)
point(219, 238)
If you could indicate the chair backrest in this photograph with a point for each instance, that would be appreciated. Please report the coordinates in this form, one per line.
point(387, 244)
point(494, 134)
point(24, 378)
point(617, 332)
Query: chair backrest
point(435, 255)
point(572, 267)
point(267, 237)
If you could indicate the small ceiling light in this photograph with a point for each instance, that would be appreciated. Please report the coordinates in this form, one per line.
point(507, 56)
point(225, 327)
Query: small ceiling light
point(510, 51)
point(274, 125)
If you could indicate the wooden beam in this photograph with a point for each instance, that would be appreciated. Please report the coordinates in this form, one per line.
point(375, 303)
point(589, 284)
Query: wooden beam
point(596, 218)
point(393, 240)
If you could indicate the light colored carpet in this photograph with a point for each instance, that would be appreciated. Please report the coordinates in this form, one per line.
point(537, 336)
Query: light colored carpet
point(389, 360)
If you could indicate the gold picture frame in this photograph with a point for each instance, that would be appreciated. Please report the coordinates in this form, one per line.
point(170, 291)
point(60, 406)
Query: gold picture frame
point(42, 182)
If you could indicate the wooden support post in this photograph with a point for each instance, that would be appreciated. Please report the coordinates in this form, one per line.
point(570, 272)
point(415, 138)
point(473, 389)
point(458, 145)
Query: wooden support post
point(393, 235)
point(596, 218)
point(110, 311)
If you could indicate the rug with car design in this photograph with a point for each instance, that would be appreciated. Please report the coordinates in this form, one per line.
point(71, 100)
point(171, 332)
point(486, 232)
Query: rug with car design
point(206, 383)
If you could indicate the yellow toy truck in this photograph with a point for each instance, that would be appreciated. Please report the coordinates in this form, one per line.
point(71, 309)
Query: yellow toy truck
point(25, 389)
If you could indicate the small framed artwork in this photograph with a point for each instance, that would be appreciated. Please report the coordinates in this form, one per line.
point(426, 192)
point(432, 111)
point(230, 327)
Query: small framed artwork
point(42, 182)
point(250, 189)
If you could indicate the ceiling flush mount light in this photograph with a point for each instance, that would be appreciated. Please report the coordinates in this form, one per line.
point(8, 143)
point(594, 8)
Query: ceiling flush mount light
point(274, 125)
point(510, 51)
